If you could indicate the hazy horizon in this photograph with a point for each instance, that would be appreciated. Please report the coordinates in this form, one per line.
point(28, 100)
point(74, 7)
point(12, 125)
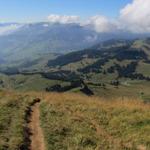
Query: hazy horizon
point(103, 16)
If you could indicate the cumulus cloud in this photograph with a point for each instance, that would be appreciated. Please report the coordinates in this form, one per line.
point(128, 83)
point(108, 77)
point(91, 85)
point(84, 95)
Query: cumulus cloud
point(6, 29)
point(102, 24)
point(91, 38)
point(136, 16)
point(99, 23)
point(64, 19)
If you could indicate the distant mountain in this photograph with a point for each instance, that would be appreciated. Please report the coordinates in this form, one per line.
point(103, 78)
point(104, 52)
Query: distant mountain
point(9, 28)
point(8, 24)
point(27, 42)
point(41, 38)
point(104, 67)
point(111, 60)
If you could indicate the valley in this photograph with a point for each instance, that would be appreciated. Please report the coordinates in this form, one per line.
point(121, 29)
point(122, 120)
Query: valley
point(75, 75)
point(93, 98)
point(118, 68)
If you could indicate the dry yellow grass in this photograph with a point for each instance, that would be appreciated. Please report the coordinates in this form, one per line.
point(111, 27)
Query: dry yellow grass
point(73, 121)
point(13, 109)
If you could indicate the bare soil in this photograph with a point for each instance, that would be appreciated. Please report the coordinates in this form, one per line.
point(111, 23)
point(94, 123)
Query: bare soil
point(36, 138)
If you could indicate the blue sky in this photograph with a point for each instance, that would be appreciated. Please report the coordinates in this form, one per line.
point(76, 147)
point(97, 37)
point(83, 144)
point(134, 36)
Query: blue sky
point(38, 10)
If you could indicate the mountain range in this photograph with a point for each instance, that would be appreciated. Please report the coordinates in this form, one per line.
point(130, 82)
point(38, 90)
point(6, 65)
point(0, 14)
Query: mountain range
point(41, 56)
point(26, 42)
point(41, 38)
point(114, 58)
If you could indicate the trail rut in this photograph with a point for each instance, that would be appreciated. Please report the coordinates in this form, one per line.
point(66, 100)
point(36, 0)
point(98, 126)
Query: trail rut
point(36, 137)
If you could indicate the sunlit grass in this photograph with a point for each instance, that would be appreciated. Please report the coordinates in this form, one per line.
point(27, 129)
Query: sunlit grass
point(77, 122)
point(13, 108)
point(72, 121)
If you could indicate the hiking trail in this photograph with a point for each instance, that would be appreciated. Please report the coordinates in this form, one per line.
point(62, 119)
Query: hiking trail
point(36, 137)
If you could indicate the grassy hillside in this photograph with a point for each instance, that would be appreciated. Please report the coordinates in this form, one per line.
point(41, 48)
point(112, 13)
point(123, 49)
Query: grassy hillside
point(13, 123)
point(127, 88)
point(124, 58)
point(123, 62)
point(72, 121)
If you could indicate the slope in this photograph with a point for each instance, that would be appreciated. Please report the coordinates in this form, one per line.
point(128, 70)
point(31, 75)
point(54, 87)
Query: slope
point(41, 38)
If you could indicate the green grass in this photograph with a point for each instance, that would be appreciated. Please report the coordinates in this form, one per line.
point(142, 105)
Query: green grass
point(111, 62)
point(27, 83)
point(76, 122)
point(79, 64)
point(144, 69)
point(12, 120)
point(128, 88)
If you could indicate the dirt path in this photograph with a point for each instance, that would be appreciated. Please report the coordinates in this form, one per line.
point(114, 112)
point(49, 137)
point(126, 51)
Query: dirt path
point(36, 138)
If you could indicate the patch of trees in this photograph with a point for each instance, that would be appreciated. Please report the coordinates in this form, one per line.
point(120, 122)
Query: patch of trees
point(96, 67)
point(128, 71)
point(73, 84)
point(2, 83)
point(60, 88)
point(130, 54)
point(65, 59)
point(74, 57)
point(86, 90)
point(147, 61)
point(138, 76)
point(123, 71)
point(61, 75)
point(57, 88)
point(10, 71)
point(94, 52)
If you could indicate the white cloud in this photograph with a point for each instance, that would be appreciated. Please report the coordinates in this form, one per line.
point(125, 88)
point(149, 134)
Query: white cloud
point(45, 25)
point(6, 29)
point(91, 38)
point(101, 24)
point(64, 19)
point(136, 16)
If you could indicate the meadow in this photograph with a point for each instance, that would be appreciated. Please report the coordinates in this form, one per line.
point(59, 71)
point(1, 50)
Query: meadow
point(13, 120)
point(78, 122)
point(71, 121)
